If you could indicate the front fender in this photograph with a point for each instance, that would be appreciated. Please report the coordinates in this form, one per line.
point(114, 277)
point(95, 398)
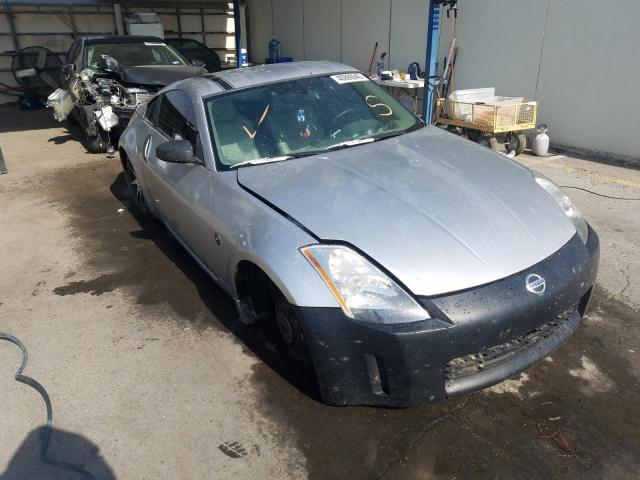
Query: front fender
point(258, 234)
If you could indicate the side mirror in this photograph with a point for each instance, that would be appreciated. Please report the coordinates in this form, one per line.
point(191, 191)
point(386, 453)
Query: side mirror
point(107, 63)
point(197, 63)
point(176, 151)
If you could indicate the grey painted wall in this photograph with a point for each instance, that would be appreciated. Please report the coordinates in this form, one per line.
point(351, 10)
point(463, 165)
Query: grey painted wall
point(578, 58)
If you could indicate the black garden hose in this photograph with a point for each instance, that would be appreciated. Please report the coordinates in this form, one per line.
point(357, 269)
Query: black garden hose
point(45, 396)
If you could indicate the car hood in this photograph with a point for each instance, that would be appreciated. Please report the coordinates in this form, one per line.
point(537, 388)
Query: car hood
point(440, 213)
point(158, 75)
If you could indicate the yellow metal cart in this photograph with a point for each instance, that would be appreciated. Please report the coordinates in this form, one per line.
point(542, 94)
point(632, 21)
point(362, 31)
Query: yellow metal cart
point(500, 120)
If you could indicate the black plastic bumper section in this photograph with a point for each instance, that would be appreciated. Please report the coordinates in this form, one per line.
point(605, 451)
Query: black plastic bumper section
point(477, 337)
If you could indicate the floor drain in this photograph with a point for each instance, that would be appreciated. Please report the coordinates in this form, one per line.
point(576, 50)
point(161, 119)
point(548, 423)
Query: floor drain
point(233, 449)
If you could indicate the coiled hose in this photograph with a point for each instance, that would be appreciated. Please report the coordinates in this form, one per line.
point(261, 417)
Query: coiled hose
point(44, 446)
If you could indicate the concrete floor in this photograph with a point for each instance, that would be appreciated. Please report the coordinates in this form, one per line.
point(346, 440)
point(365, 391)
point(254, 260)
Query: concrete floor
point(150, 375)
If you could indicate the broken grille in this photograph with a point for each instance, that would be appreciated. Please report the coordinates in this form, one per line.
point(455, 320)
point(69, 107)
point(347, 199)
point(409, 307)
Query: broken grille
point(499, 354)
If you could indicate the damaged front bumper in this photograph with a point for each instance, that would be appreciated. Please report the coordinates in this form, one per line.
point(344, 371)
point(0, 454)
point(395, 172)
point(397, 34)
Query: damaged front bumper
point(475, 339)
point(97, 103)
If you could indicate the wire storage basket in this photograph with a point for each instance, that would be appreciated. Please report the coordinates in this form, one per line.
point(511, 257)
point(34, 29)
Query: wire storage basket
point(498, 116)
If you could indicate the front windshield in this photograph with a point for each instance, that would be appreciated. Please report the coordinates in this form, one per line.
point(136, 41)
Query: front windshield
point(303, 117)
point(132, 54)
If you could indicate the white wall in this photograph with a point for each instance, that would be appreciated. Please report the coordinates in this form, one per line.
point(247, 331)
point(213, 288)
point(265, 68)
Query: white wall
point(586, 74)
point(585, 78)
point(323, 30)
point(341, 30)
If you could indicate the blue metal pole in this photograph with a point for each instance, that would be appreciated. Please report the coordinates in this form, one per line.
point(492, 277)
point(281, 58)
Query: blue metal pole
point(236, 22)
point(433, 36)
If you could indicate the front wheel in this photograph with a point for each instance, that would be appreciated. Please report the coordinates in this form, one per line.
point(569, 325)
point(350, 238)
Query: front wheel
point(98, 143)
point(290, 330)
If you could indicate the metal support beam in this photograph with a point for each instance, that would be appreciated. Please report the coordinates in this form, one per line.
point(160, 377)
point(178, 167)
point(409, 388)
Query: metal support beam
point(117, 14)
point(430, 63)
point(204, 31)
point(179, 22)
point(12, 27)
point(236, 22)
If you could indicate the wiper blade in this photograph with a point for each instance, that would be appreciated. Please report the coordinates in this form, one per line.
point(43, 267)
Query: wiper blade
point(350, 143)
point(337, 146)
point(258, 161)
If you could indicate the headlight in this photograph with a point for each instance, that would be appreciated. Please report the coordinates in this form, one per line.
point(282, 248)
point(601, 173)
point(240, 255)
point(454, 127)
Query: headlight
point(568, 207)
point(362, 290)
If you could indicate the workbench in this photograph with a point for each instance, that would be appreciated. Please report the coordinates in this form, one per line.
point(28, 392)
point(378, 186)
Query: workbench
point(409, 87)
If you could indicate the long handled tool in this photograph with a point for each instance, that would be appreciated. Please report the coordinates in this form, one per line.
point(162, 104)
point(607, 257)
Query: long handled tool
point(373, 56)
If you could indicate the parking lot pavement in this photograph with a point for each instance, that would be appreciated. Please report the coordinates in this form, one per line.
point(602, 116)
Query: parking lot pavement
point(151, 376)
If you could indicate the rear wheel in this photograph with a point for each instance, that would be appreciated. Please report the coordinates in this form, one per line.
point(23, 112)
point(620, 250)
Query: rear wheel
point(135, 188)
point(516, 143)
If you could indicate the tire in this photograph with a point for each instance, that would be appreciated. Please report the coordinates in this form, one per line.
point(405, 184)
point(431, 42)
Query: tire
point(71, 118)
point(490, 142)
point(135, 189)
point(98, 143)
point(474, 135)
point(516, 143)
point(290, 330)
point(494, 144)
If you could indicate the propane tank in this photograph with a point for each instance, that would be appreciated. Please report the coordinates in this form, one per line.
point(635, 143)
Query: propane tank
point(541, 143)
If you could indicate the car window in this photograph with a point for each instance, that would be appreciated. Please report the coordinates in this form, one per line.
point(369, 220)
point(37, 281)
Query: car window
point(132, 54)
point(151, 110)
point(73, 52)
point(190, 46)
point(303, 117)
point(176, 117)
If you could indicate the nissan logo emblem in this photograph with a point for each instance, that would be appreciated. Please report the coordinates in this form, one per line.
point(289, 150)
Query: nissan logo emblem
point(535, 284)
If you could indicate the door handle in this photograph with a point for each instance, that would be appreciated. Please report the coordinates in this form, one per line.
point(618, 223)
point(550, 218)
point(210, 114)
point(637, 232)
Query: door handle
point(147, 148)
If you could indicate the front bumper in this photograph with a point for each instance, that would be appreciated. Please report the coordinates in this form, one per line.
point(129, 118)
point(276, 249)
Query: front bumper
point(476, 338)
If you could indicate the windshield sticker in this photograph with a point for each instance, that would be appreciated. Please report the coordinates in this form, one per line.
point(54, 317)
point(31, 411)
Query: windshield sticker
point(386, 109)
point(155, 44)
point(349, 78)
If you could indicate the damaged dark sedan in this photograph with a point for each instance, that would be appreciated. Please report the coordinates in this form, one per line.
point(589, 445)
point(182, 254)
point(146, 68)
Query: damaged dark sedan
point(108, 77)
point(406, 264)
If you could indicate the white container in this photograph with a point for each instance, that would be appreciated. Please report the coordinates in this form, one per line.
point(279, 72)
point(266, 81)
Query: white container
point(106, 118)
point(145, 23)
point(540, 144)
point(61, 103)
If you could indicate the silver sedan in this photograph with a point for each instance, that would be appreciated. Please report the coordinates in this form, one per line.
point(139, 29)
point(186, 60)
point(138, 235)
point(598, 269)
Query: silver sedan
point(407, 264)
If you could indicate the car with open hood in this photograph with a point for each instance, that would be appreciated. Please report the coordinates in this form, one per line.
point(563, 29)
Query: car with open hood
point(107, 77)
point(407, 264)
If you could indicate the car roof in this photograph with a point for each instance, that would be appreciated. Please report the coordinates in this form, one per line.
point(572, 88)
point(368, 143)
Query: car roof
point(227, 80)
point(261, 74)
point(92, 40)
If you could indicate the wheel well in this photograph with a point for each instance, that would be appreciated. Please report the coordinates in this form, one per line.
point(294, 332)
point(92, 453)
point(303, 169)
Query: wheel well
point(256, 292)
point(123, 158)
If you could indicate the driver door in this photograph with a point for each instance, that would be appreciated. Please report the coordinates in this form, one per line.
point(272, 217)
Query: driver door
point(180, 192)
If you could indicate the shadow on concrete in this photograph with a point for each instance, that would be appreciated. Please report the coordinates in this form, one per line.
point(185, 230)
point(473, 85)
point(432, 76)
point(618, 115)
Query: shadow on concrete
point(12, 119)
point(263, 339)
point(64, 446)
point(596, 157)
point(61, 139)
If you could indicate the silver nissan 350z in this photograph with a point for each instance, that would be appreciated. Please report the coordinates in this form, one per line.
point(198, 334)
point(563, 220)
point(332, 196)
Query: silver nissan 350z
point(407, 264)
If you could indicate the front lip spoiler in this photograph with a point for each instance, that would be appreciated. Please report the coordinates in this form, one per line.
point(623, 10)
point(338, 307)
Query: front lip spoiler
point(527, 358)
